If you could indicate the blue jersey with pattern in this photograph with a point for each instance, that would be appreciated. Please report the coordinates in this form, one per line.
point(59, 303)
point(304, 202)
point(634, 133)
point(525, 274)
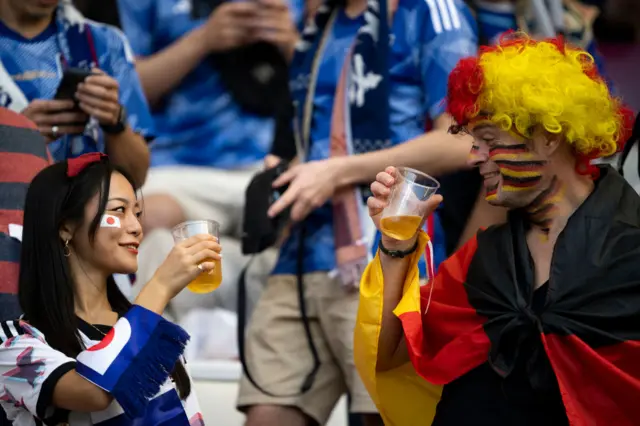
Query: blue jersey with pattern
point(198, 123)
point(35, 65)
point(428, 38)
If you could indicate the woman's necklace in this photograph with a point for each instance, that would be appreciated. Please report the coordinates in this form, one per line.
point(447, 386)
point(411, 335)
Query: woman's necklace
point(97, 329)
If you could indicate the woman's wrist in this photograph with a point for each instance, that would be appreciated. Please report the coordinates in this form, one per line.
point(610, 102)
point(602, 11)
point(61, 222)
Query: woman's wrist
point(154, 296)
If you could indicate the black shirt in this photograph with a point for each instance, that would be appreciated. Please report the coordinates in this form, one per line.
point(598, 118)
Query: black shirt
point(460, 192)
point(484, 398)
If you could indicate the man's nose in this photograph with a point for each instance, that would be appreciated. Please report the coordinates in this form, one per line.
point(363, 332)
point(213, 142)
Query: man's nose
point(476, 156)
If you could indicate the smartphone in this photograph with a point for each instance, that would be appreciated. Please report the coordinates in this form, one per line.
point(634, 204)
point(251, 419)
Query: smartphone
point(69, 85)
point(201, 9)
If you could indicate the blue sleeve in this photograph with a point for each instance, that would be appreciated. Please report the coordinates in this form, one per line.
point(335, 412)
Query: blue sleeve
point(117, 60)
point(448, 35)
point(138, 19)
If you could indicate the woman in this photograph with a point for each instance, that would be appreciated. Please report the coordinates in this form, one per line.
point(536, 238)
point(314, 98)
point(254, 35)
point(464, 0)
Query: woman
point(82, 354)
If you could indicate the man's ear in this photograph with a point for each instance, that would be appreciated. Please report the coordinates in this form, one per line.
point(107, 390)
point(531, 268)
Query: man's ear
point(553, 141)
point(547, 143)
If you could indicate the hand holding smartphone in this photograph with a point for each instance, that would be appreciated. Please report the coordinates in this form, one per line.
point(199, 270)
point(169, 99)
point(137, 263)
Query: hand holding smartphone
point(68, 86)
point(61, 115)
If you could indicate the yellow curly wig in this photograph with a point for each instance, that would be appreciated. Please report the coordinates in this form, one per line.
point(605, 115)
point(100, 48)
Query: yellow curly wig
point(521, 83)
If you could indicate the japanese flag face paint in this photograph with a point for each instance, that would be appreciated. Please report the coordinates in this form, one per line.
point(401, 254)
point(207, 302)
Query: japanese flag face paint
point(110, 221)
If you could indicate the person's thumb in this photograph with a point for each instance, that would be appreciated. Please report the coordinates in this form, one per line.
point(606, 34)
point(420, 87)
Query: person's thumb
point(432, 204)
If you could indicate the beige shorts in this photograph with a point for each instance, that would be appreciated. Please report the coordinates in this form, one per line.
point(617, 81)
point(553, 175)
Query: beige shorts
point(278, 353)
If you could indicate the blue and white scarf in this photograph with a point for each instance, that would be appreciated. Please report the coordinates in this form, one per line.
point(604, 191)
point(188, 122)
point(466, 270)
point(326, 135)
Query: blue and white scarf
point(359, 122)
point(368, 77)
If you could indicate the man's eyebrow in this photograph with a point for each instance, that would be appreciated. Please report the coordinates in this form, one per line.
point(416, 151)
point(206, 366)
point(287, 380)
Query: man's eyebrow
point(482, 126)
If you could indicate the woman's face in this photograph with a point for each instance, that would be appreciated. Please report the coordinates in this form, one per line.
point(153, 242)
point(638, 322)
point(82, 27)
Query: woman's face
point(115, 246)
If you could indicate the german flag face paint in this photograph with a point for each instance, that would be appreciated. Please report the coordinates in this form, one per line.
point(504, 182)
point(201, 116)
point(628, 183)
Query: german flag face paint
point(506, 161)
point(521, 169)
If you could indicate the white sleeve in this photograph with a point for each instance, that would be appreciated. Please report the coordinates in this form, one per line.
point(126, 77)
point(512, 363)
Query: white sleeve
point(29, 369)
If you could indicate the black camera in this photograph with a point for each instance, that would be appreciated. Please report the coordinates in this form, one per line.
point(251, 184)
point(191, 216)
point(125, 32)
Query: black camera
point(259, 231)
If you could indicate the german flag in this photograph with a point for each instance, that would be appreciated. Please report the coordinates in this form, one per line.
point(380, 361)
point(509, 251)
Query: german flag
point(589, 328)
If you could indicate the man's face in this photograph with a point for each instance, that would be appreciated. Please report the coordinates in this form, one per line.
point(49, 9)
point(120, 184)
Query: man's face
point(514, 171)
point(34, 9)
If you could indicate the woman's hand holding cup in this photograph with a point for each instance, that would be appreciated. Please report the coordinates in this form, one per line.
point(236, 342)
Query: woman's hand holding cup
point(188, 259)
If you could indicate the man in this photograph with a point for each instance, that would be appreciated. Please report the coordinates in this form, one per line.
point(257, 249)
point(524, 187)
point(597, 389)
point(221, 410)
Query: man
point(208, 146)
point(360, 87)
point(39, 41)
point(535, 321)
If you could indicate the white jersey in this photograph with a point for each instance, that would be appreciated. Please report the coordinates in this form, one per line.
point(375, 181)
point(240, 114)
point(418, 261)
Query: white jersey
point(30, 369)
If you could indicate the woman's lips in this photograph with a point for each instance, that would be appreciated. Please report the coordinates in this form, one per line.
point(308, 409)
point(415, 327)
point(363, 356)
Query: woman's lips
point(132, 248)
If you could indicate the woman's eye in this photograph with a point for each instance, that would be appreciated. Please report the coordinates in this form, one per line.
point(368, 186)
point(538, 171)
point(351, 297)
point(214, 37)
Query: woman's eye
point(139, 214)
point(118, 209)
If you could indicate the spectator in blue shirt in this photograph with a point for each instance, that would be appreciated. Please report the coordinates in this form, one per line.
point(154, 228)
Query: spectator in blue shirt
point(38, 41)
point(207, 146)
point(427, 39)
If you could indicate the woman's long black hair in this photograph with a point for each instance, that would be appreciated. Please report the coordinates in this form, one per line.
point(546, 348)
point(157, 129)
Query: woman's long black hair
point(46, 290)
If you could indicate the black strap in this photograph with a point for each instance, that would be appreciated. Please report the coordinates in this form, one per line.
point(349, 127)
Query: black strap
point(397, 254)
point(242, 320)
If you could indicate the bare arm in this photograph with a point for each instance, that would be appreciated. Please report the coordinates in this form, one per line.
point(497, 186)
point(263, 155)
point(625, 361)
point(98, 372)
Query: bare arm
point(129, 150)
point(75, 393)
point(435, 152)
point(392, 352)
point(227, 27)
point(162, 72)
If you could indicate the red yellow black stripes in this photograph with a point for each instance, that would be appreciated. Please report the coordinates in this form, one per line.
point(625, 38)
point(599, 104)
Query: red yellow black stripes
point(520, 168)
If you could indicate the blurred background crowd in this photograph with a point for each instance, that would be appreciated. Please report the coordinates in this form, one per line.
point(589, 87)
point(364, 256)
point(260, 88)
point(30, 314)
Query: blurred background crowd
point(195, 97)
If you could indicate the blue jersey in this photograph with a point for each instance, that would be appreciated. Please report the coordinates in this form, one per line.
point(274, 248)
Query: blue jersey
point(35, 65)
point(198, 123)
point(428, 40)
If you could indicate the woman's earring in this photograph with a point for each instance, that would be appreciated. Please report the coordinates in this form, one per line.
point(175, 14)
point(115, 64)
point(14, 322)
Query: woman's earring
point(66, 250)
